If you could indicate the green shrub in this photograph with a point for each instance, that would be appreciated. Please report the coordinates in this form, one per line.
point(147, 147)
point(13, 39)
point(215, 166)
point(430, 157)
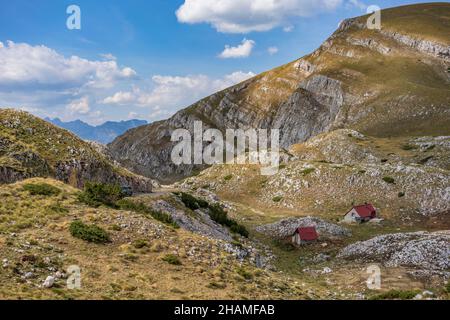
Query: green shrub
point(401, 194)
point(126, 204)
point(425, 160)
point(216, 285)
point(219, 215)
point(42, 189)
point(396, 295)
point(116, 227)
point(447, 287)
point(282, 166)
point(96, 194)
point(228, 177)
point(277, 199)
point(192, 202)
point(389, 180)
point(140, 243)
point(90, 233)
point(172, 259)
point(244, 273)
point(240, 229)
point(407, 147)
point(308, 171)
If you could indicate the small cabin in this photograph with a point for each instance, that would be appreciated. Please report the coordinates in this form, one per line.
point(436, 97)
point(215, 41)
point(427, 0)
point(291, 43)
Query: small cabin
point(304, 235)
point(361, 213)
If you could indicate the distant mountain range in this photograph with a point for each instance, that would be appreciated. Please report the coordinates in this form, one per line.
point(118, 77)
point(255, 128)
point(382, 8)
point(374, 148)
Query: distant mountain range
point(104, 133)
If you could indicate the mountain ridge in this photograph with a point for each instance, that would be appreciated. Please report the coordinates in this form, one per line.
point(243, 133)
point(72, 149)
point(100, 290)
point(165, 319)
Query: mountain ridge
point(103, 133)
point(382, 83)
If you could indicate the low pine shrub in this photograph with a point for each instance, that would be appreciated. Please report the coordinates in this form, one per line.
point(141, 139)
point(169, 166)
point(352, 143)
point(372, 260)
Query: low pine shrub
point(42, 189)
point(172, 259)
point(90, 233)
point(96, 194)
point(141, 208)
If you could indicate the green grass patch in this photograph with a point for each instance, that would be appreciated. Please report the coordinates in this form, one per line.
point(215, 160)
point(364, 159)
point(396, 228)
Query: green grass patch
point(244, 273)
point(277, 199)
point(140, 243)
point(228, 177)
point(307, 171)
point(42, 189)
point(89, 233)
point(396, 295)
point(389, 180)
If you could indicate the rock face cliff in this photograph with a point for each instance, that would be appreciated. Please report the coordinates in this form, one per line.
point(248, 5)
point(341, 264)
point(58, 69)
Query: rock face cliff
point(31, 147)
point(389, 82)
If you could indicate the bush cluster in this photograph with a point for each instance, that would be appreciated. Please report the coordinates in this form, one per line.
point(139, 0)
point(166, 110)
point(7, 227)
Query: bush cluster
point(192, 202)
point(90, 233)
point(96, 194)
point(138, 207)
point(43, 189)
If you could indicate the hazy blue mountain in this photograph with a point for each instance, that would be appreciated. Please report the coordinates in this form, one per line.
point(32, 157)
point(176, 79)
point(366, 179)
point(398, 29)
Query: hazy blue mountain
point(104, 133)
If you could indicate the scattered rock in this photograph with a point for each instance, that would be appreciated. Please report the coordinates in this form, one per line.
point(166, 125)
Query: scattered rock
point(422, 250)
point(49, 282)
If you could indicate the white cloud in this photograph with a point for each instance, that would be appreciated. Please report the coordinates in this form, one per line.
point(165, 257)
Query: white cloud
point(170, 93)
point(26, 66)
point(244, 16)
point(359, 4)
point(120, 98)
point(108, 56)
point(272, 50)
point(288, 29)
point(80, 106)
point(241, 51)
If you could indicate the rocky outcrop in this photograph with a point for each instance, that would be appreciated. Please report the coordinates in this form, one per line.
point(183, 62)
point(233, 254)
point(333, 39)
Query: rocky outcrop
point(425, 46)
point(77, 173)
point(422, 250)
point(370, 43)
point(201, 224)
point(286, 228)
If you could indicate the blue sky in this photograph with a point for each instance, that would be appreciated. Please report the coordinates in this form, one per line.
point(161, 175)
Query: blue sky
point(148, 59)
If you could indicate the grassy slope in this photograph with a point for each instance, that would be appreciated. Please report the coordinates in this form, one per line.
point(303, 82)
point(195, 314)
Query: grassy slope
point(38, 226)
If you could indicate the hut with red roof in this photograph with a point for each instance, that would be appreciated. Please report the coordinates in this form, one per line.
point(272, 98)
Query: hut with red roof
point(304, 235)
point(361, 213)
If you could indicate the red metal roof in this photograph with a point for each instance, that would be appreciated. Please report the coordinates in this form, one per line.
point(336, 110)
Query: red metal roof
point(366, 211)
point(307, 233)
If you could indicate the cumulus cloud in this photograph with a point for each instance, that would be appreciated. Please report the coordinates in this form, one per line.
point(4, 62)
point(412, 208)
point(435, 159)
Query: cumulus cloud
point(26, 66)
point(244, 16)
point(120, 98)
point(169, 93)
point(272, 50)
point(241, 51)
point(80, 106)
